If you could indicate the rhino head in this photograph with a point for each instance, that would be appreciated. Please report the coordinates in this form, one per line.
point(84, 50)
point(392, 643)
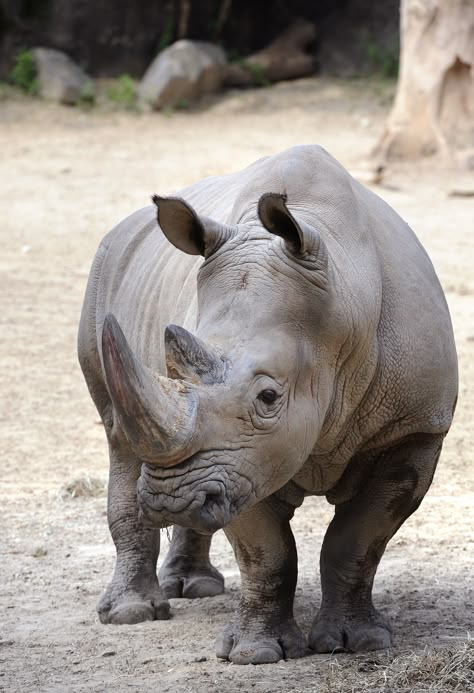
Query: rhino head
point(245, 398)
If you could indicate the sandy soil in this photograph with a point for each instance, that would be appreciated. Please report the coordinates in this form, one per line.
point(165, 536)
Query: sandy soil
point(67, 177)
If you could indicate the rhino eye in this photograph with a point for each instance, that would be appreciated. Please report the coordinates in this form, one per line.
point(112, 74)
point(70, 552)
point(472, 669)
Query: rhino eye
point(267, 396)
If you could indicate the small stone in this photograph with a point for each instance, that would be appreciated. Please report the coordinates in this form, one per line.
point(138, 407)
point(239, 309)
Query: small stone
point(108, 653)
point(200, 659)
point(39, 552)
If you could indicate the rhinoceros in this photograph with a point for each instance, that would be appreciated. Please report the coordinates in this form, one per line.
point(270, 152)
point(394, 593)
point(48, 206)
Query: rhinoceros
point(253, 339)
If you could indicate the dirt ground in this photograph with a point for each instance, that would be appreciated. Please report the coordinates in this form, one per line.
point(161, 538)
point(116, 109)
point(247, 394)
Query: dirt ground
point(67, 177)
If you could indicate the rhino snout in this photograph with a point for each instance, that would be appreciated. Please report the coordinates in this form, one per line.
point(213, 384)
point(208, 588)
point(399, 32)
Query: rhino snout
point(206, 508)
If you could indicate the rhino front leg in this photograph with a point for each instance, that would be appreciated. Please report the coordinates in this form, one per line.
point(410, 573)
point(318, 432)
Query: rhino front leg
point(187, 571)
point(264, 629)
point(133, 594)
point(356, 540)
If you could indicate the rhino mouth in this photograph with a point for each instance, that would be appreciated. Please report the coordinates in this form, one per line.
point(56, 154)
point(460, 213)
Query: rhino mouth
point(197, 493)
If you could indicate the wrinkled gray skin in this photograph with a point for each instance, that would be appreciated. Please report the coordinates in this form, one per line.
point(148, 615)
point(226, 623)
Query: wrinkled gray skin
point(315, 355)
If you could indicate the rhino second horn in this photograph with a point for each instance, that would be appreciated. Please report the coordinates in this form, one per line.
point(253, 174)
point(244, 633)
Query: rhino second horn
point(158, 415)
point(191, 359)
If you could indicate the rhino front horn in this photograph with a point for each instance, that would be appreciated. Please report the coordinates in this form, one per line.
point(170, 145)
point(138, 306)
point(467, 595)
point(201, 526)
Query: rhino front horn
point(157, 415)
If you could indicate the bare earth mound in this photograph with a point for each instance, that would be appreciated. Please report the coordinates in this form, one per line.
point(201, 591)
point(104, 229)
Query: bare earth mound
point(67, 178)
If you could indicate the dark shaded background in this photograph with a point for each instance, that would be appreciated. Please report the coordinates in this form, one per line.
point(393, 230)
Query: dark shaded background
point(111, 37)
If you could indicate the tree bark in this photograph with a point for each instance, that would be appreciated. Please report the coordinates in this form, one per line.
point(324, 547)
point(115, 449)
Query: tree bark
point(433, 112)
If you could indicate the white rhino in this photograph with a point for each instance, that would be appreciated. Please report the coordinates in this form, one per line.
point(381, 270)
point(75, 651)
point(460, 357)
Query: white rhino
point(282, 333)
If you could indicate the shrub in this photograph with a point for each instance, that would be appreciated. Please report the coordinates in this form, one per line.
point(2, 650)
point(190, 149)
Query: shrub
point(384, 58)
point(123, 92)
point(87, 96)
point(256, 71)
point(24, 73)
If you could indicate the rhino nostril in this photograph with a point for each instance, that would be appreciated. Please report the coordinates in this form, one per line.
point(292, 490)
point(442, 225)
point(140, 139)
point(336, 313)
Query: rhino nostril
point(212, 498)
point(214, 506)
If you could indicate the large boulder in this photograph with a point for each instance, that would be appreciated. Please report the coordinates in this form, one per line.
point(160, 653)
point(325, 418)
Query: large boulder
point(60, 79)
point(183, 72)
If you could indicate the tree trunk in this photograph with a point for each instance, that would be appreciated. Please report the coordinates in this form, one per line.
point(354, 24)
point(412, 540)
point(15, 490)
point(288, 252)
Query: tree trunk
point(287, 57)
point(434, 105)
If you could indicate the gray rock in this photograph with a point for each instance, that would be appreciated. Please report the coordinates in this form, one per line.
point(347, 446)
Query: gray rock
point(184, 71)
point(60, 79)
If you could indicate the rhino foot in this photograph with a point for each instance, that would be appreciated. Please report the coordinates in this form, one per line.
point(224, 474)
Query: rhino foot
point(192, 584)
point(187, 571)
point(330, 634)
point(242, 646)
point(133, 606)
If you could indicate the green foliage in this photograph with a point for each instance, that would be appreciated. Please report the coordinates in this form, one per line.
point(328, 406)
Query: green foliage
point(179, 105)
point(123, 92)
point(167, 35)
point(24, 73)
point(3, 91)
point(255, 70)
point(383, 57)
point(87, 96)
point(182, 105)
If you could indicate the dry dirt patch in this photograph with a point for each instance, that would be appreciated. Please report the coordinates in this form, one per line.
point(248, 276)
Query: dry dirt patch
point(67, 177)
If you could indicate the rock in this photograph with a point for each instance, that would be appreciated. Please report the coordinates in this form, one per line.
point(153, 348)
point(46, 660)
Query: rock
point(183, 72)
point(60, 79)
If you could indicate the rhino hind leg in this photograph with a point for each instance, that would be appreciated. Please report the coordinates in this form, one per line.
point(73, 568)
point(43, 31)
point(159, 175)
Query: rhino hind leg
point(133, 594)
point(187, 571)
point(263, 630)
point(356, 539)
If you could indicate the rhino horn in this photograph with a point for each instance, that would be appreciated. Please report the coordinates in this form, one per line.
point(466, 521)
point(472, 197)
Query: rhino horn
point(191, 359)
point(157, 414)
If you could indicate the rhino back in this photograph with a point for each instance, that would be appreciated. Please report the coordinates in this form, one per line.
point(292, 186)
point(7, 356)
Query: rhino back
point(417, 353)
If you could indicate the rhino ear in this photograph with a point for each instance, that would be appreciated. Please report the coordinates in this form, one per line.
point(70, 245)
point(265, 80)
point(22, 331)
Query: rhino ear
point(185, 230)
point(300, 239)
